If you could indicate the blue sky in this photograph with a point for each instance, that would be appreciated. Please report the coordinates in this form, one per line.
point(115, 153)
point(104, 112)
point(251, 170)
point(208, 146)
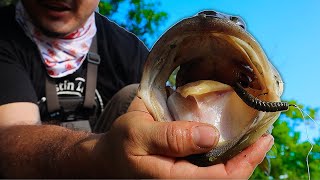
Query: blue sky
point(288, 31)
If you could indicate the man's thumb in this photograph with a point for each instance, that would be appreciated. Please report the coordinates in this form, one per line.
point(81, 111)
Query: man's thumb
point(181, 138)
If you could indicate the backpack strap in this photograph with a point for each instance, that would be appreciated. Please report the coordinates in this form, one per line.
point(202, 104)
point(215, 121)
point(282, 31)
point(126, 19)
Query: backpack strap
point(53, 106)
point(92, 75)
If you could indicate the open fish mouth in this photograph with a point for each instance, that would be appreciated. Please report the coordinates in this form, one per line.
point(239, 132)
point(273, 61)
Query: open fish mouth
point(224, 79)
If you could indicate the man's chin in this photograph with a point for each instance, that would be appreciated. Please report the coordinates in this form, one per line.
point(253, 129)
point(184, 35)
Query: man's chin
point(54, 33)
point(55, 29)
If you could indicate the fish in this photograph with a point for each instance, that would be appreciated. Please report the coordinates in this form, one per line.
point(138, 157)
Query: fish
point(223, 78)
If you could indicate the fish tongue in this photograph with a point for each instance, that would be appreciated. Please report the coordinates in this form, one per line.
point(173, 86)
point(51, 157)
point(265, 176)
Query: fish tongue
point(206, 108)
point(201, 101)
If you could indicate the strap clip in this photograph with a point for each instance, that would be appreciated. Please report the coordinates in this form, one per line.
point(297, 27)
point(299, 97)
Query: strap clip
point(93, 58)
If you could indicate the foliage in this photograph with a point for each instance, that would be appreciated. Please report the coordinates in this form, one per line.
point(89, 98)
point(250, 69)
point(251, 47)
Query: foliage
point(288, 155)
point(141, 18)
point(7, 2)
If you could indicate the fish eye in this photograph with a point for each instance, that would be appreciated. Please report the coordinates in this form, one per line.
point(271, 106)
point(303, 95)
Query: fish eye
point(239, 21)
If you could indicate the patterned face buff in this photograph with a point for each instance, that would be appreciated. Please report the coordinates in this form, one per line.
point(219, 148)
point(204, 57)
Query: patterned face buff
point(61, 56)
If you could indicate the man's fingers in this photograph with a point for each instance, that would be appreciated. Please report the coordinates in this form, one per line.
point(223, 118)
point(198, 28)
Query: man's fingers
point(241, 166)
point(244, 163)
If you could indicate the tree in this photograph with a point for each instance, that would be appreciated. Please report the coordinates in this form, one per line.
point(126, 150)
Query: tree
point(141, 18)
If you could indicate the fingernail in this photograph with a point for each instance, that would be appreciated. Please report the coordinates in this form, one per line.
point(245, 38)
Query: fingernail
point(269, 140)
point(205, 136)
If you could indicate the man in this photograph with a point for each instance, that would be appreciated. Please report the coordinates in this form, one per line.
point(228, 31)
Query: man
point(45, 42)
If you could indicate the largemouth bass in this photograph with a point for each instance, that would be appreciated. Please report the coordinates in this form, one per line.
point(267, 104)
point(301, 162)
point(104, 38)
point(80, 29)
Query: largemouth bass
point(224, 79)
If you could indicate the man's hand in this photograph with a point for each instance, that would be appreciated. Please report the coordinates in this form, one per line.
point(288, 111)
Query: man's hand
point(143, 148)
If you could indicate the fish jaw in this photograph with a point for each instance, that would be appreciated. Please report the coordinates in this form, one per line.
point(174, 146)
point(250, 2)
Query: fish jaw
point(203, 39)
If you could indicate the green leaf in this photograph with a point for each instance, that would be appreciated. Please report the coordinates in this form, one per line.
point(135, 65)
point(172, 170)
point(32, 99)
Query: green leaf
point(142, 18)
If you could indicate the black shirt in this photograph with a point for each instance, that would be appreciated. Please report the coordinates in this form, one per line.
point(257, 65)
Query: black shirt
point(22, 73)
